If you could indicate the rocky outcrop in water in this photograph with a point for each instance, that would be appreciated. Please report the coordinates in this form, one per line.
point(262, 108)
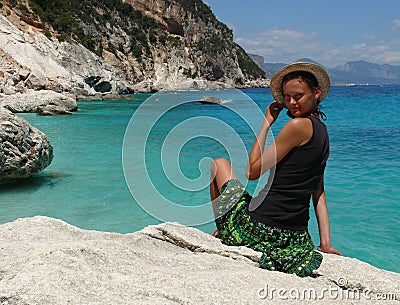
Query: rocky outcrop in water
point(210, 100)
point(45, 102)
point(24, 150)
point(47, 261)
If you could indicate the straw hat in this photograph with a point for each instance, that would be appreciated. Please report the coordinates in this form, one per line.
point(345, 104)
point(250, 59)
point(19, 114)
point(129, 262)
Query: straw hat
point(319, 72)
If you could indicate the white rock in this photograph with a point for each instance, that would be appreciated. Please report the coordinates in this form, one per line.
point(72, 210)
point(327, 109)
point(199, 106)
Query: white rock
point(47, 261)
point(23, 73)
point(8, 90)
point(35, 101)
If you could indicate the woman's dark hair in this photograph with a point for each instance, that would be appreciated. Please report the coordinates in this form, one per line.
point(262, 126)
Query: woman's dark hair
point(312, 83)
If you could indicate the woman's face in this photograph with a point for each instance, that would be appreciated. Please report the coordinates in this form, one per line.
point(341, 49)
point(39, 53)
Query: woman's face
point(299, 98)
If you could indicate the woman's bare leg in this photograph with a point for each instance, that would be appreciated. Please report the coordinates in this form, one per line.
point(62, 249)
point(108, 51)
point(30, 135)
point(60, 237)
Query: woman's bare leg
point(221, 171)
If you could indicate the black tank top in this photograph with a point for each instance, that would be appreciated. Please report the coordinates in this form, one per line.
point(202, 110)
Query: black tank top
point(286, 204)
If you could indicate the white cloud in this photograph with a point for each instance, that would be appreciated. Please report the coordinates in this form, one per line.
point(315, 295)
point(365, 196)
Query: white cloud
point(371, 53)
point(278, 33)
point(394, 43)
point(248, 42)
point(281, 45)
point(277, 40)
point(396, 23)
point(286, 45)
point(390, 57)
point(369, 37)
point(286, 38)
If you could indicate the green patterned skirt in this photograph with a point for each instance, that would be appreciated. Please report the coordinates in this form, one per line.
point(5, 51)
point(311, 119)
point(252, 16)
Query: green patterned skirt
point(282, 250)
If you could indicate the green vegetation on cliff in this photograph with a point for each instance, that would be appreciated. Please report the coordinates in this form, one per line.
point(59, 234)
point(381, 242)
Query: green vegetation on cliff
point(82, 20)
point(248, 66)
point(145, 32)
point(197, 6)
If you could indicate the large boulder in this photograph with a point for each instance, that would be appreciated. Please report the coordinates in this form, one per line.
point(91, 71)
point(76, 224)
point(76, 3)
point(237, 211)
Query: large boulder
point(24, 150)
point(42, 101)
point(47, 261)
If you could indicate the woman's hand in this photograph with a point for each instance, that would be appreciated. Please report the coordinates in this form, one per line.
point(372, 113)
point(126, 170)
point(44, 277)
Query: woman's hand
point(330, 250)
point(272, 111)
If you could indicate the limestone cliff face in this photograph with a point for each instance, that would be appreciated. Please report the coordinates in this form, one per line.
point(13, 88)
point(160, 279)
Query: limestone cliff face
point(29, 60)
point(202, 46)
point(123, 44)
point(259, 60)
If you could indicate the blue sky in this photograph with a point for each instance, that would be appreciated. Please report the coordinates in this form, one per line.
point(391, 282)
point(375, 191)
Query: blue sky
point(329, 32)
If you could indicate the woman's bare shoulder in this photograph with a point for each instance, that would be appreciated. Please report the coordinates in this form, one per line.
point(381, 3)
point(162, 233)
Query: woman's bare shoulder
point(298, 124)
point(299, 129)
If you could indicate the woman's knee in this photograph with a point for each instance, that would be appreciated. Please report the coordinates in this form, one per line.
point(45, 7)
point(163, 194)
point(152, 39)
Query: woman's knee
point(219, 164)
point(221, 171)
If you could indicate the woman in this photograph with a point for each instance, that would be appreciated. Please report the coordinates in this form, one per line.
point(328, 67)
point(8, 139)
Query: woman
point(275, 221)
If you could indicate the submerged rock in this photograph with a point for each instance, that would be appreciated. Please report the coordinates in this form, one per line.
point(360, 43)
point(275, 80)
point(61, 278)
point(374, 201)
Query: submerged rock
point(24, 150)
point(210, 100)
point(47, 261)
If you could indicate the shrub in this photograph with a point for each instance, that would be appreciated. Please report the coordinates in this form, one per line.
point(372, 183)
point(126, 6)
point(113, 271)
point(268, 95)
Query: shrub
point(22, 8)
point(47, 33)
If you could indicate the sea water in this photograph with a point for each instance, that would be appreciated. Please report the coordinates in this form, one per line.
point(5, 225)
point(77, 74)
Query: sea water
point(88, 184)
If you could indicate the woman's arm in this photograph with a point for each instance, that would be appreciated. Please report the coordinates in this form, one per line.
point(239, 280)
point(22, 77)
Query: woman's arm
point(321, 212)
point(296, 132)
point(257, 150)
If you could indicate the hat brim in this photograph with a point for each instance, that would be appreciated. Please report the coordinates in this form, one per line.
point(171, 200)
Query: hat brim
point(319, 72)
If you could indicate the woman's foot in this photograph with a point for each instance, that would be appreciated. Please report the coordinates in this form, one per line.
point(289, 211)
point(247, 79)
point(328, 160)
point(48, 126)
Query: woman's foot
point(216, 233)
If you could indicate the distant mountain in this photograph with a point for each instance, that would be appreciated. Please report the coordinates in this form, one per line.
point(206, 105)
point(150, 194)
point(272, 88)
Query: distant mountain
point(354, 72)
point(310, 60)
point(363, 72)
point(271, 68)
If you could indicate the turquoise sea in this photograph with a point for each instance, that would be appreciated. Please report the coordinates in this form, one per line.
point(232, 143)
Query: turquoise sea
point(111, 173)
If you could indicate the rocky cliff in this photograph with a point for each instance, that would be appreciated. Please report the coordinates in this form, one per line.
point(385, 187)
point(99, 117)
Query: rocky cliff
point(46, 261)
point(258, 59)
point(87, 46)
